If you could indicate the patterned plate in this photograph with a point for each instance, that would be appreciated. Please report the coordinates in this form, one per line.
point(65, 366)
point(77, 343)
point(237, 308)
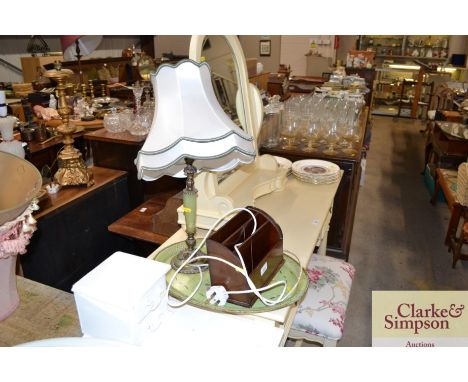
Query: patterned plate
point(315, 168)
point(185, 283)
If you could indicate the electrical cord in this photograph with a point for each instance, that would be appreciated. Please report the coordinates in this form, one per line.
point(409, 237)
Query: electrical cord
point(200, 245)
point(218, 294)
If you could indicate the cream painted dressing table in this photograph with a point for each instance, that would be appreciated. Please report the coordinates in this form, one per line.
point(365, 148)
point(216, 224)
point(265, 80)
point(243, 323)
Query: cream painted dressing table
point(303, 211)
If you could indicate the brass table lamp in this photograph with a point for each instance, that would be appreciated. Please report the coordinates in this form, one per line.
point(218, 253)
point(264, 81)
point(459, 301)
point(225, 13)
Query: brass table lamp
point(72, 170)
point(190, 133)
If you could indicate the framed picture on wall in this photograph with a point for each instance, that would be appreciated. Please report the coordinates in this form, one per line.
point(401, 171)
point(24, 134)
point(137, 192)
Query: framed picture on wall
point(265, 47)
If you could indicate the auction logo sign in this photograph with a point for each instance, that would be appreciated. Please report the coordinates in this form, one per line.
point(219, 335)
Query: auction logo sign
point(419, 318)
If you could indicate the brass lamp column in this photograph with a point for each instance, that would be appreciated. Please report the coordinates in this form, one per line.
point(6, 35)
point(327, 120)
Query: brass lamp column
point(72, 170)
point(189, 196)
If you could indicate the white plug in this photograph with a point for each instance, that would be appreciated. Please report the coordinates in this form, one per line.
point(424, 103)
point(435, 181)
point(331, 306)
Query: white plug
point(217, 294)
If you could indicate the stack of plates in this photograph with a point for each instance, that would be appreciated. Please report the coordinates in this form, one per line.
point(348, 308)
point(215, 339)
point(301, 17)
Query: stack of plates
point(316, 171)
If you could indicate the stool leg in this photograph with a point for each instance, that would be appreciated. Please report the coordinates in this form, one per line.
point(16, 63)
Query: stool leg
point(298, 343)
point(328, 342)
point(457, 255)
point(456, 252)
point(453, 223)
point(436, 190)
point(322, 251)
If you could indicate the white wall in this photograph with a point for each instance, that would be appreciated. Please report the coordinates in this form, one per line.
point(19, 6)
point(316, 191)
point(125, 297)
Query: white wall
point(12, 48)
point(294, 48)
point(250, 46)
point(178, 45)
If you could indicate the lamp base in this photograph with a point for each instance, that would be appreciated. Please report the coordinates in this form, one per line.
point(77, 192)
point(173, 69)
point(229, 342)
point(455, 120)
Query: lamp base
point(72, 171)
point(191, 268)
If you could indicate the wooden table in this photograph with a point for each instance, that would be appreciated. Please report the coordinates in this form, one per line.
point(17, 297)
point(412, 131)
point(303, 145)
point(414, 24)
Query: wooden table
point(444, 150)
point(446, 180)
point(154, 221)
point(304, 84)
point(81, 125)
point(44, 312)
point(452, 116)
point(125, 137)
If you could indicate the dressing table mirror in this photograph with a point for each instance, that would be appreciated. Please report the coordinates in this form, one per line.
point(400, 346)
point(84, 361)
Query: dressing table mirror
point(226, 58)
point(218, 54)
point(216, 196)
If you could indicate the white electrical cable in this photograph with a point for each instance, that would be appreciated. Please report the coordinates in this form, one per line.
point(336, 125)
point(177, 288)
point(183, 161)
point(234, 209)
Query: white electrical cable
point(187, 261)
point(242, 270)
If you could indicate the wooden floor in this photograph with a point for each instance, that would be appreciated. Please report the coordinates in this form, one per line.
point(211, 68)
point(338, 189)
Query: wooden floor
point(44, 312)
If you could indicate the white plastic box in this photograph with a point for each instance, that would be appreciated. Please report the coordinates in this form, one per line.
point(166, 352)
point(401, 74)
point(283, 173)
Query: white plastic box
point(122, 299)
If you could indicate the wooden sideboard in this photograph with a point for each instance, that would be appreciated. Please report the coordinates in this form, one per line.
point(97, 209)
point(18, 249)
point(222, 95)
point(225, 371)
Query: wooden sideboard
point(72, 236)
point(444, 150)
point(278, 85)
point(260, 80)
point(344, 206)
point(118, 151)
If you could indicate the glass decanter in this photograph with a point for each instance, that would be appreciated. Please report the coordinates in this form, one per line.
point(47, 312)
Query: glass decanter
point(137, 127)
point(271, 125)
point(112, 122)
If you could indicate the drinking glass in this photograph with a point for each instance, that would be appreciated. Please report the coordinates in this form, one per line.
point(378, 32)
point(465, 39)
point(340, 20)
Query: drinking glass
point(332, 136)
point(289, 131)
point(349, 135)
point(311, 135)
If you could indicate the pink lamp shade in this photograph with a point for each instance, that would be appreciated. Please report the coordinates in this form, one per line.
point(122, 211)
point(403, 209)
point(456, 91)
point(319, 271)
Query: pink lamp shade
point(87, 44)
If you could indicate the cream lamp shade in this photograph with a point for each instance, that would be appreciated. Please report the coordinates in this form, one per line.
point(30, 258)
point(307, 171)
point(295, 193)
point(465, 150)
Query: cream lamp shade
point(190, 123)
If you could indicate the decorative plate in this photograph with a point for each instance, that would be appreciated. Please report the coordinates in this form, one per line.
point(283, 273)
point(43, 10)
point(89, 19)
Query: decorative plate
point(319, 180)
point(314, 167)
point(184, 284)
point(316, 171)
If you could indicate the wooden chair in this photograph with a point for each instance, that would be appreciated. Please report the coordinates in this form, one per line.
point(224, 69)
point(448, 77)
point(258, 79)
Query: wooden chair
point(455, 240)
point(321, 315)
point(441, 100)
point(446, 180)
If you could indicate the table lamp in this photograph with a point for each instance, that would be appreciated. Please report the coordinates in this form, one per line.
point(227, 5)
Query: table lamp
point(72, 170)
point(190, 132)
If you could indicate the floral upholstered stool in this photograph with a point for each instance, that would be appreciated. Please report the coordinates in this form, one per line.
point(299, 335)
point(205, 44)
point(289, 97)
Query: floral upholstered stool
point(321, 315)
